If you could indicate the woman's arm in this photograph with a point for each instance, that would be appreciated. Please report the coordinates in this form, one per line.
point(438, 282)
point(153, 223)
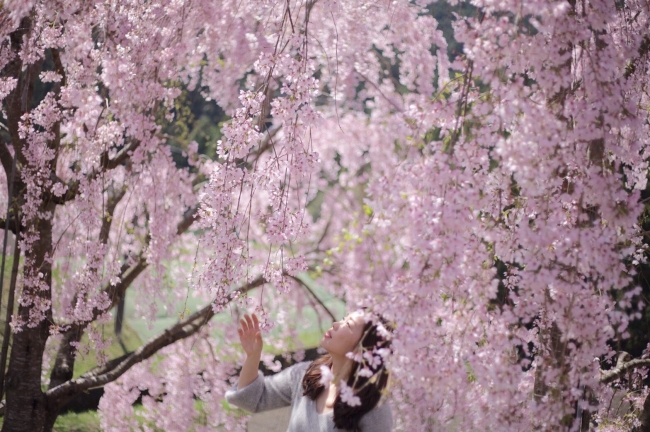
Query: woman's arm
point(255, 392)
point(251, 340)
point(269, 392)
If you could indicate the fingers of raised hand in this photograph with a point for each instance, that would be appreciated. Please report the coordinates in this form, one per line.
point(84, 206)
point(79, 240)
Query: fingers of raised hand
point(244, 325)
point(249, 321)
point(249, 324)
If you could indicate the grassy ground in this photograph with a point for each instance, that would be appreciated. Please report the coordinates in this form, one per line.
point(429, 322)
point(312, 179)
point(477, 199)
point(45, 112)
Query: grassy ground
point(78, 422)
point(9, 259)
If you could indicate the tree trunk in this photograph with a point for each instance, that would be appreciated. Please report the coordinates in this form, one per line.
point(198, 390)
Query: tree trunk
point(27, 407)
point(644, 417)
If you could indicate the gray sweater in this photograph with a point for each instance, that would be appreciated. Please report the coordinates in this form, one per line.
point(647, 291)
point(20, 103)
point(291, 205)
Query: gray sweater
point(285, 388)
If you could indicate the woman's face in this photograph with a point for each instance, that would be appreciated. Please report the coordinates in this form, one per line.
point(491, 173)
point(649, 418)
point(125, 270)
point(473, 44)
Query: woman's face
point(344, 335)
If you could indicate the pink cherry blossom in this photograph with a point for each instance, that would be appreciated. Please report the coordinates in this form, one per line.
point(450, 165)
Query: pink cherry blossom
point(325, 376)
point(347, 395)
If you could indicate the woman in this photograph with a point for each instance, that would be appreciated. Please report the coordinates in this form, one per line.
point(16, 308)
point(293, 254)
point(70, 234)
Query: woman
point(340, 391)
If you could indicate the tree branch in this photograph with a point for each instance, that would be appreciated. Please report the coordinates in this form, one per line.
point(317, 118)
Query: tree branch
point(112, 371)
point(105, 164)
point(188, 219)
point(615, 373)
point(114, 198)
point(11, 225)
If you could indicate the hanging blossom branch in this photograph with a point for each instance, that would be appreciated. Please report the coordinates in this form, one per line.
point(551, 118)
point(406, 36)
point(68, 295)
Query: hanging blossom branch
point(433, 211)
point(116, 291)
point(111, 371)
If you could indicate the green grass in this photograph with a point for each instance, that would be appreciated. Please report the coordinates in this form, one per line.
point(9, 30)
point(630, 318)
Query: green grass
point(78, 422)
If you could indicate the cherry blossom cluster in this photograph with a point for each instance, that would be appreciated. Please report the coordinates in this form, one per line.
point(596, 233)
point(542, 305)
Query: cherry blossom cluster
point(501, 156)
point(485, 201)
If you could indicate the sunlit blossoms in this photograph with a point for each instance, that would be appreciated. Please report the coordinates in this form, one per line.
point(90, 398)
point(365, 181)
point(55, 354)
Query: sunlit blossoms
point(483, 198)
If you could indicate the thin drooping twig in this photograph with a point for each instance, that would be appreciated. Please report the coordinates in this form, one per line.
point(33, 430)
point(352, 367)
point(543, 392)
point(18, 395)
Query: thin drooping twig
point(314, 296)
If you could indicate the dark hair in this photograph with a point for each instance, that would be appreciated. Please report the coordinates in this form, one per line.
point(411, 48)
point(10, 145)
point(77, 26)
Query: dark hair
point(368, 389)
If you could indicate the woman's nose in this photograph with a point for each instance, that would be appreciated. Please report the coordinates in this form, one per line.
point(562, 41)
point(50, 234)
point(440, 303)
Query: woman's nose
point(335, 325)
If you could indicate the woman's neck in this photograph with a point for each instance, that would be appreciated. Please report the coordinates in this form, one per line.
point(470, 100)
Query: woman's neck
point(339, 365)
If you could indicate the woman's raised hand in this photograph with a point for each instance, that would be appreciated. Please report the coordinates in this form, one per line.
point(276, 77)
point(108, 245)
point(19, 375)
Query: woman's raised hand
point(250, 335)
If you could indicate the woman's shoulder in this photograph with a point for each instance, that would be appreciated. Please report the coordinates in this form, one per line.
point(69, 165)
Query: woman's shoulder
point(302, 366)
point(296, 372)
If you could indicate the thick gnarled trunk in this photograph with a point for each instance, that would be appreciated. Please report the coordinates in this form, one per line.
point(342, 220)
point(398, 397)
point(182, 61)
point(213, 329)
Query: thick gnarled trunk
point(27, 407)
